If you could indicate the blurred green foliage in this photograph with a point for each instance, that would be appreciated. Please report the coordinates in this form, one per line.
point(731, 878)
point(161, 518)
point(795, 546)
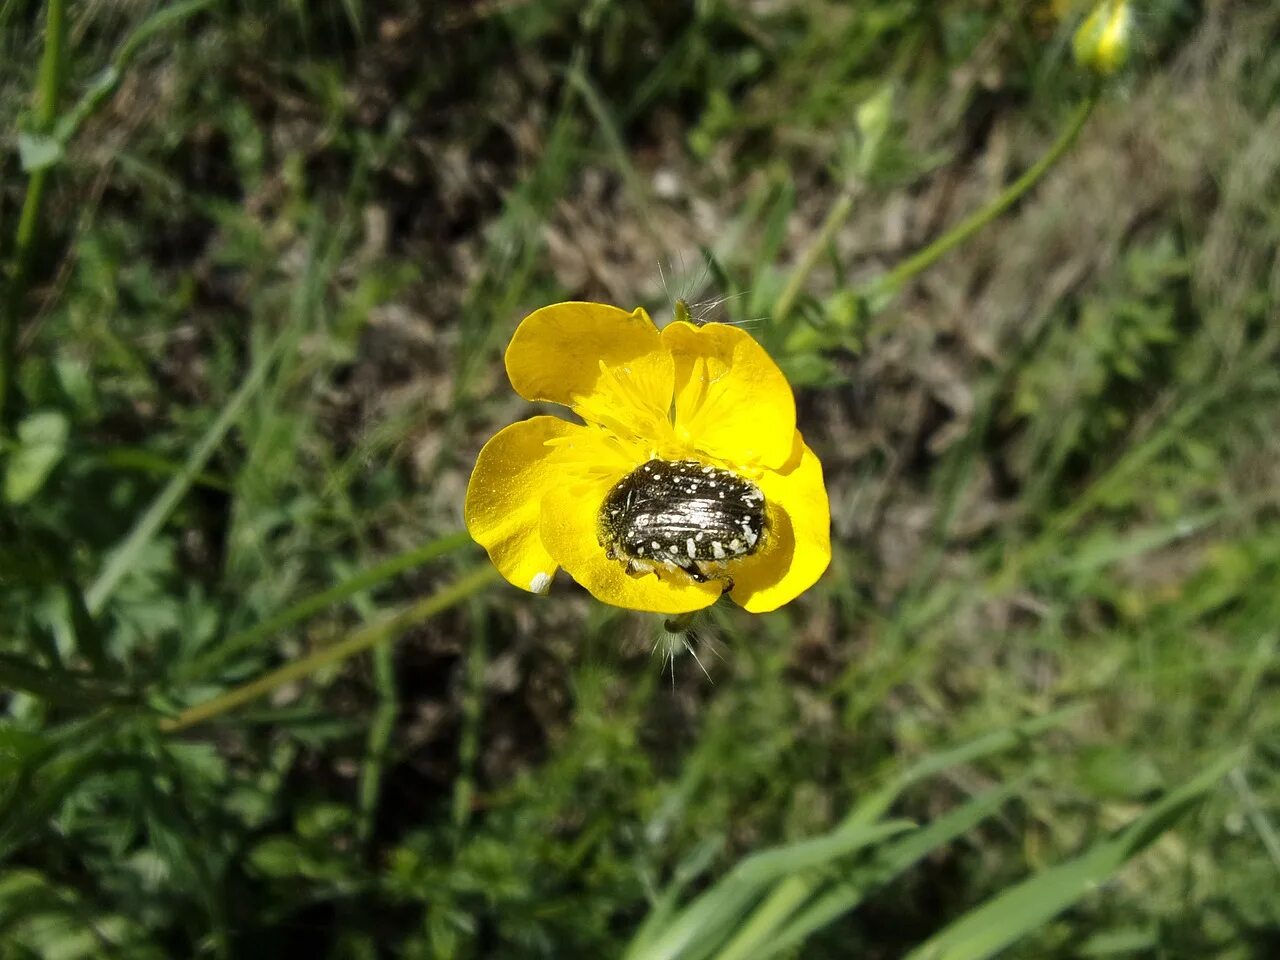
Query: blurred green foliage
point(258, 337)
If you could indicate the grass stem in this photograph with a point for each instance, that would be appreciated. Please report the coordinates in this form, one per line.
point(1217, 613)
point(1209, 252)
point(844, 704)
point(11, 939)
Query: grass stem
point(122, 561)
point(888, 285)
point(48, 87)
point(836, 217)
point(358, 642)
point(307, 607)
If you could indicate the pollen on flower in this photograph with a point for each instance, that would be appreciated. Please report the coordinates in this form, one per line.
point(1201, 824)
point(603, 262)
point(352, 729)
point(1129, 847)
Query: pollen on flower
point(683, 515)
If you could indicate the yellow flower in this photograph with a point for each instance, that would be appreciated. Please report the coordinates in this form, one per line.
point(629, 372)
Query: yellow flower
point(687, 479)
point(1103, 41)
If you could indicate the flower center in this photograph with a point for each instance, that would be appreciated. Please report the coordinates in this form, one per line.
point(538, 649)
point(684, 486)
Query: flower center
point(622, 403)
point(682, 514)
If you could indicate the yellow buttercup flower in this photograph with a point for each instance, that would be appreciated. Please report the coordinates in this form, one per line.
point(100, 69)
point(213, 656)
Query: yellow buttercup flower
point(687, 479)
point(1102, 43)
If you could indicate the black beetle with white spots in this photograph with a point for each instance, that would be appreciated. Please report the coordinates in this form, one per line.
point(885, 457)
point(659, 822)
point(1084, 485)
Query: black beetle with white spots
point(682, 515)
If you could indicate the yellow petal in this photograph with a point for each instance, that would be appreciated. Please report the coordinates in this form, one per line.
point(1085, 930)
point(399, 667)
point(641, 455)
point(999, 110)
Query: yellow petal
point(732, 402)
point(570, 524)
point(504, 498)
point(607, 364)
point(797, 547)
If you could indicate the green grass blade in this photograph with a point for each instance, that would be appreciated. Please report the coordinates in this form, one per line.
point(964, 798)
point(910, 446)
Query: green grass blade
point(890, 861)
point(307, 607)
point(665, 906)
point(766, 867)
point(1257, 815)
point(144, 461)
point(33, 799)
point(355, 643)
point(124, 558)
point(108, 80)
point(88, 640)
point(621, 157)
point(378, 744)
point(53, 685)
point(473, 699)
point(994, 925)
point(793, 891)
point(835, 219)
point(875, 805)
point(697, 929)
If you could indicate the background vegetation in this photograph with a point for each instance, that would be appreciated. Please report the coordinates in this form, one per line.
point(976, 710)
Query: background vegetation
point(257, 307)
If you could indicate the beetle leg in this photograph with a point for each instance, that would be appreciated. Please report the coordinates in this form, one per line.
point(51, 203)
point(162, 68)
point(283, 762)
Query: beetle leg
point(691, 568)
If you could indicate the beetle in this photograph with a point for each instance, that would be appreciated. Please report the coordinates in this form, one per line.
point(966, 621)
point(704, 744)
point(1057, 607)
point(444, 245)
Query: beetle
point(682, 514)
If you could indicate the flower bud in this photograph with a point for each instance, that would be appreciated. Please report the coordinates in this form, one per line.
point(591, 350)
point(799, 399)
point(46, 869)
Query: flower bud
point(1103, 41)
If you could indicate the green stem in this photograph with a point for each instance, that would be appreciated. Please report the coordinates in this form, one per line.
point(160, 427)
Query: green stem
point(635, 183)
point(47, 123)
point(378, 745)
point(358, 642)
point(48, 88)
point(123, 559)
point(472, 710)
point(108, 80)
point(55, 35)
point(1257, 816)
point(889, 284)
point(309, 606)
point(836, 217)
point(781, 904)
